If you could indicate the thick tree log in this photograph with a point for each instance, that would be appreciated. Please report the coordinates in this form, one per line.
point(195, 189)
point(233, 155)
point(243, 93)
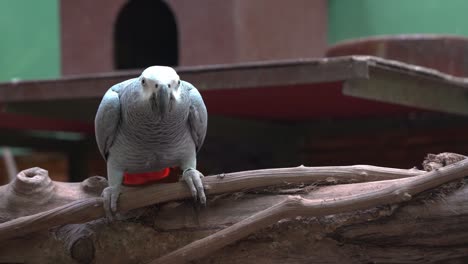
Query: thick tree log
point(430, 228)
point(399, 191)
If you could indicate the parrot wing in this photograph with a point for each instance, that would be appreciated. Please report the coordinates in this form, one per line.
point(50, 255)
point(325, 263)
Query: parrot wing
point(198, 116)
point(107, 121)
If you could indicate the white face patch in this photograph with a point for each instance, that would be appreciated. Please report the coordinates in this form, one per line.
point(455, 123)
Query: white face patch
point(153, 77)
point(176, 90)
point(145, 92)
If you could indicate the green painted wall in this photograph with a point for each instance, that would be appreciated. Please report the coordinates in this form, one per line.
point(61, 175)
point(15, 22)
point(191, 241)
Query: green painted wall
point(29, 39)
point(359, 18)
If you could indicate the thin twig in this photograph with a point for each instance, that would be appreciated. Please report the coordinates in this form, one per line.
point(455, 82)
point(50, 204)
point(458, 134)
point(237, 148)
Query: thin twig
point(132, 198)
point(10, 163)
point(297, 206)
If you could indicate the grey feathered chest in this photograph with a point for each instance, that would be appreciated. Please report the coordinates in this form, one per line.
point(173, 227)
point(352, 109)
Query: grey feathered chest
point(132, 136)
point(145, 141)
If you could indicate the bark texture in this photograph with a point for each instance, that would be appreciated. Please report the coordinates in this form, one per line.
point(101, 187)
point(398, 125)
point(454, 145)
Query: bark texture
point(430, 228)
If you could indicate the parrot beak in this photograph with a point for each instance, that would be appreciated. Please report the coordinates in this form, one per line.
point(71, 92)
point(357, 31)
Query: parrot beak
point(164, 99)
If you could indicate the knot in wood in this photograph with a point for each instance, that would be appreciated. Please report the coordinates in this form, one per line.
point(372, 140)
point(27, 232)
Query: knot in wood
point(403, 195)
point(32, 182)
point(294, 201)
point(94, 184)
point(331, 180)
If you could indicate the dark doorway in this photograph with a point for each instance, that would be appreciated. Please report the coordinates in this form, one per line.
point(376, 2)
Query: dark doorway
point(145, 34)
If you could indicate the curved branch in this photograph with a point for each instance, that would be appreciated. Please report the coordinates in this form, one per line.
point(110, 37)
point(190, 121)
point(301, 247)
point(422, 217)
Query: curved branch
point(400, 191)
point(131, 198)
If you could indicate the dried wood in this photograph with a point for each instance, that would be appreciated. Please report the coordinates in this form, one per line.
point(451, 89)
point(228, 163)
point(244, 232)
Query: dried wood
point(131, 198)
point(400, 191)
point(429, 229)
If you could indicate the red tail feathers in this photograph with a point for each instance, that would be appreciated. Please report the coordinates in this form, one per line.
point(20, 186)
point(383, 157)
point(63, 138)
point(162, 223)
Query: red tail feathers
point(144, 178)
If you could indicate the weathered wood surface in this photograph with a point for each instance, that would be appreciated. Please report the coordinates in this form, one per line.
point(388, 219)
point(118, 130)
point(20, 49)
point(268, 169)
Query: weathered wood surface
point(233, 76)
point(78, 97)
point(46, 206)
point(430, 228)
point(391, 192)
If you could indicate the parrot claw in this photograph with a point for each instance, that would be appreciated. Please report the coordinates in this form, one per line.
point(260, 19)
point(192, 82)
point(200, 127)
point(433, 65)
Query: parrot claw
point(110, 195)
point(193, 179)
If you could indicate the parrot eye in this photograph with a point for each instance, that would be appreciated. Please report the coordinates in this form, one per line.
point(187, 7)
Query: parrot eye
point(143, 81)
point(156, 85)
point(178, 82)
point(169, 85)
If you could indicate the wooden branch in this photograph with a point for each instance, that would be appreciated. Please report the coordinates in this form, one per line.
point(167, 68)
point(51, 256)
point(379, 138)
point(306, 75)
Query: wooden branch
point(92, 208)
point(78, 241)
point(297, 206)
point(430, 228)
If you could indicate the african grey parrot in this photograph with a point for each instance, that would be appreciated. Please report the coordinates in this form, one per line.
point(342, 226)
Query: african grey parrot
point(150, 123)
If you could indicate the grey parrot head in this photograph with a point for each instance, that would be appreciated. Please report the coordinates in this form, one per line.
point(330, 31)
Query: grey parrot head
point(160, 85)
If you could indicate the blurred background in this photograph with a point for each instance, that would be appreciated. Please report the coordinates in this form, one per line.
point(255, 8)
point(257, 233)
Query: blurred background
point(59, 39)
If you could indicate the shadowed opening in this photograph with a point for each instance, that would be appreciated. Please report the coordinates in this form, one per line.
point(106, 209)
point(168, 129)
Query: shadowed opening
point(145, 34)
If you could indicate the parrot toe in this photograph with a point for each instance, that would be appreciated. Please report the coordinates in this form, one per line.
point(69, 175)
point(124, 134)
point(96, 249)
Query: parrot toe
point(193, 179)
point(110, 195)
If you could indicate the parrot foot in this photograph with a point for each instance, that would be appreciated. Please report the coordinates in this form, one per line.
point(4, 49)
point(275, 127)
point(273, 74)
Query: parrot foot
point(111, 195)
point(193, 179)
